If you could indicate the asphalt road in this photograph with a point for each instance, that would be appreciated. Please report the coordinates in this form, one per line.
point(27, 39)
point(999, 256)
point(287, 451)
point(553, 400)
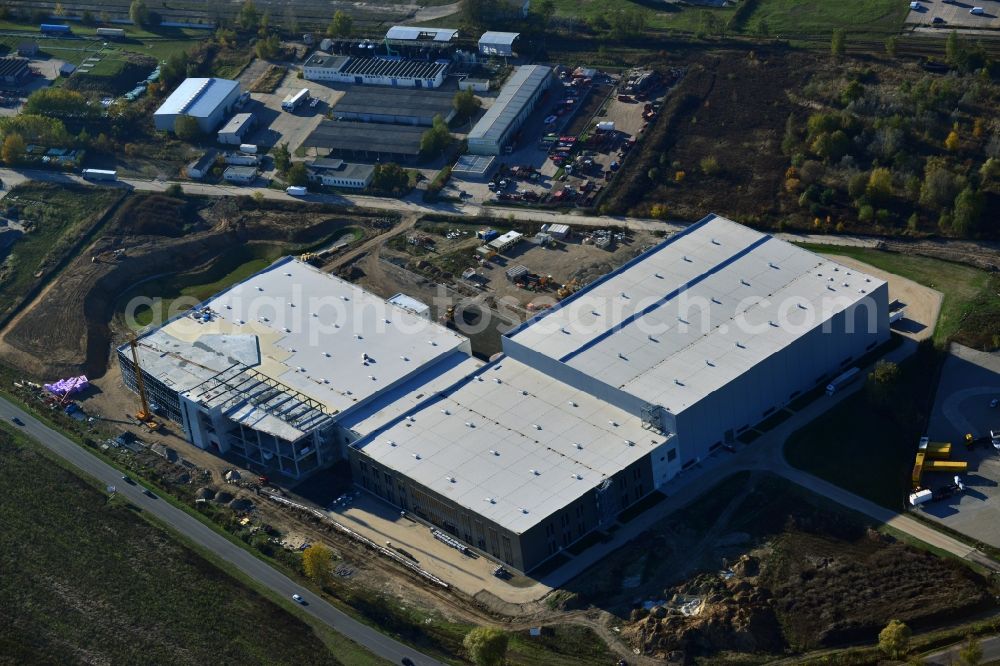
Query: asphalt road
point(192, 528)
point(990, 647)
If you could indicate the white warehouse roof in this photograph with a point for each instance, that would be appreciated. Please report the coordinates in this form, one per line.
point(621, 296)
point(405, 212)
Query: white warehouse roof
point(509, 442)
point(414, 34)
point(411, 304)
point(695, 312)
point(509, 103)
point(197, 97)
point(498, 43)
point(330, 343)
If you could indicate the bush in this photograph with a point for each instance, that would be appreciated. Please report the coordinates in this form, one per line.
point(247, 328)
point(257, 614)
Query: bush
point(710, 166)
point(866, 213)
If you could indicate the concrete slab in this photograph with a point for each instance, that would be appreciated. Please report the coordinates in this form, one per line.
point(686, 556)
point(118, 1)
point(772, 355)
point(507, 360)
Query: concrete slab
point(969, 381)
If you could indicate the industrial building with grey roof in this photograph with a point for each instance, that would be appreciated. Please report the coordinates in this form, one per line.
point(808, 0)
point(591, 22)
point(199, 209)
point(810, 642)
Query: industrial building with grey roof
point(594, 404)
point(354, 139)
point(517, 99)
point(396, 106)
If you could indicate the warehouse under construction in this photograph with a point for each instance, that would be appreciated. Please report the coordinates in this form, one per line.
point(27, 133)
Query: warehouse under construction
point(596, 402)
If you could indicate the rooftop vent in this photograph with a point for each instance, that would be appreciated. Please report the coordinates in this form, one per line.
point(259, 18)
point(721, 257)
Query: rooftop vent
point(536, 426)
point(494, 452)
point(578, 446)
point(497, 380)
point(416, 456)
point(772, 324)
point(523, 392)
point(523, 510)
point(716, 301)
point(411, 419)
point(657, 275)
point(744, 282)
point(578, 477)
point(772, 264)
point(715, 242)
point(678, 382)
point(709, 363)
point(491, 500)
point(687, 259)
point(613, 424)
point(470, 424)
point(622, 356)
point(390, 442)
point(446, 412)
point(451, 479)
point(535, 472)
point(260, 288)
point(345, 298)
point(802, 306)
point(572, 403)
point(326, 354)
point(432, 343)
point(652, 339)
point(404, 358)
point(624, 295)
point(629, 442)
point(741, 345)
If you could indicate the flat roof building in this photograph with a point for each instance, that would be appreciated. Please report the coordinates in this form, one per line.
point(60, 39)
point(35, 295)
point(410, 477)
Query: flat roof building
point(709, 332)
point(411, 304)
point(395, 106)
point(240, 175)
point(473, 167)
point(596, 402)
point(517, 99)
point(391, 71)
point(208, 101)
point(236, 129)
point(264, 369)
point(367, 140)
point(338, 173)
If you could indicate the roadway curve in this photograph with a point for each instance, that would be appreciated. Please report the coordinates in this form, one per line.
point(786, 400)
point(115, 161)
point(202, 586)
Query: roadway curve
point(204, 536)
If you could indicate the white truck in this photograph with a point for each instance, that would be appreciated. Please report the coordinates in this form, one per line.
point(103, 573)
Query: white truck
point(100, 174)
point(842, 380)
point(296, 190)
point(293, 100)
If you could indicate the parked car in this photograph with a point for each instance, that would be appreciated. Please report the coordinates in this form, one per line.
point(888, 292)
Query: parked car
point(17, 421)
point(297, 598)
point(978, 11)
point(937, 20)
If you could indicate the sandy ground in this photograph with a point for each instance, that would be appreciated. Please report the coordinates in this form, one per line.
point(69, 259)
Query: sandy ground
point(923, 304)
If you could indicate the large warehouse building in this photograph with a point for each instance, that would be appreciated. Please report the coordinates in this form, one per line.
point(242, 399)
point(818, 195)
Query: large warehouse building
point(209, 101)
point(517, 99)
point(264, 369)
point(381, 71)
point(596, 403)
point(399, 107)
point(350, 139)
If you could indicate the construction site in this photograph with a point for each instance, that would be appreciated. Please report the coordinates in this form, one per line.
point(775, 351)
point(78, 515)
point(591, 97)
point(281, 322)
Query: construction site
point(294, 497)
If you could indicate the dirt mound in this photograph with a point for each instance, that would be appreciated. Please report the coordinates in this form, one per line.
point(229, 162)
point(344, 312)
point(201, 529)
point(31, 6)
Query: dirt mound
point(807, 591)
point(156, 215)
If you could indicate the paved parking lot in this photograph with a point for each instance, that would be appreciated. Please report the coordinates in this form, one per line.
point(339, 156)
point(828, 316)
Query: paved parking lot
point(969, 381)
point(956, 15)
point(275, 126)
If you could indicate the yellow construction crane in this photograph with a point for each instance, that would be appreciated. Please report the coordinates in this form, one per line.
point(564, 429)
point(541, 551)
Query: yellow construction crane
point(144, 414)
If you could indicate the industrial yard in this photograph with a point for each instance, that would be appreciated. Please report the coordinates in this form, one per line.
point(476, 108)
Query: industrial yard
point(609, 344)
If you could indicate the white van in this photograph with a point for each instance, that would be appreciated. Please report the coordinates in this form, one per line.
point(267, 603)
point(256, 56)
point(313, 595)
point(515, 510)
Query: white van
point(296, 190)
point(978, 11)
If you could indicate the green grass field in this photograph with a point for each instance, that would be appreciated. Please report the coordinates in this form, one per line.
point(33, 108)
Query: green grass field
point(88, 580)
point(971, 297)
point(60, 216)
point(784, 18)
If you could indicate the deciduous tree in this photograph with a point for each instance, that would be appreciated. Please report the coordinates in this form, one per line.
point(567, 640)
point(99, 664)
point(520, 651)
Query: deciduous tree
point(879, 187)
point(838, 43)
point(186, 128)
point(894, 639)
point(316, 560)
point(297, 174)
point(138, 12)
point(465, 103)
point(486, 646)
point(282, 157)
point(13, 149)
point(969, 206)
point(341, 25)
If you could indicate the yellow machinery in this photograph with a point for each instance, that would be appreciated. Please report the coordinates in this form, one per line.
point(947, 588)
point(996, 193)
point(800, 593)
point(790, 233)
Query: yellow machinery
point(567, 289)
point(933, 457)
point(144, 414)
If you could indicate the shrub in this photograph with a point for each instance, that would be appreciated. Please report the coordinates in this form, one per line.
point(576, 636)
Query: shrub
point(866, 213)
point(710, 165)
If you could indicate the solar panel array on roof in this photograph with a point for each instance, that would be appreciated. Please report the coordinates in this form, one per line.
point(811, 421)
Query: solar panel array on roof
point(393, 68)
